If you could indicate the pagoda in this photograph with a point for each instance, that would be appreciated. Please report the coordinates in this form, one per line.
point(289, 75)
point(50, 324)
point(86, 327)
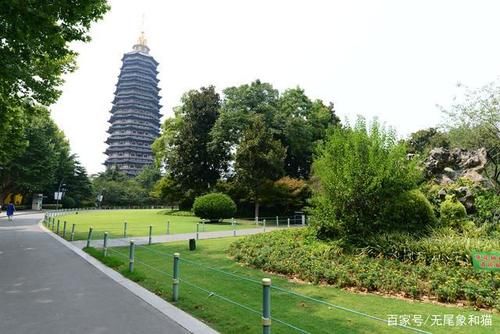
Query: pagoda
point(135, 115)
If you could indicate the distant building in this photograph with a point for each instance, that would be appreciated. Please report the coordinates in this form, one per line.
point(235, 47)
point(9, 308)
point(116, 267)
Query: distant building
point(135, 115)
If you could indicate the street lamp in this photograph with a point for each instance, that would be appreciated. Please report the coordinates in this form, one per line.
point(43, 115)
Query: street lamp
point(60, 193)
point(100, 197)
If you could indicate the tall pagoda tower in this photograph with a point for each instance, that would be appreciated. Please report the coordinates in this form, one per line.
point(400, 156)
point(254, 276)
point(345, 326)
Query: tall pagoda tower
point(135, 115)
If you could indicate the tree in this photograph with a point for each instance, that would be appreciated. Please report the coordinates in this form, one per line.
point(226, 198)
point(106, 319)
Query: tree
point(358, 172)
point(302, 123)
point(119, 190)
point(73, 176)
point(35, 52)
point(424, 140)
point(184, 145)
point(34, 45)
point(240, 105)
point(259, 161)
point(475, 123)
point(35, 168)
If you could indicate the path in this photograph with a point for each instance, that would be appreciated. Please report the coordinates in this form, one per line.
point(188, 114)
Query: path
point(173, 237)
point(45, 288)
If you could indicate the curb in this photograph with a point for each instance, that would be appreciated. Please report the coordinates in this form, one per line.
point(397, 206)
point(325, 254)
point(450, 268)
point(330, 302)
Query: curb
point(182, 318)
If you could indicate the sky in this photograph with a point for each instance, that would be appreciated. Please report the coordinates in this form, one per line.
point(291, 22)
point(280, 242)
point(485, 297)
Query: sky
point(395, 60)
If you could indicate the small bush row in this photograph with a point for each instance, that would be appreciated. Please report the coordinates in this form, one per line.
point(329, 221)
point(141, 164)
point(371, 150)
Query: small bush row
point(294, 253)
point(445, 247)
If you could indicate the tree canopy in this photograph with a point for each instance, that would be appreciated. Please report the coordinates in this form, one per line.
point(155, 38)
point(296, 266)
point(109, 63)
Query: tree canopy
point(474, 122)
point(34, 45)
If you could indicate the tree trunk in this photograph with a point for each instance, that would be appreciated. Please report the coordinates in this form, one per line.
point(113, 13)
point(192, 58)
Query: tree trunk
point(256, 209)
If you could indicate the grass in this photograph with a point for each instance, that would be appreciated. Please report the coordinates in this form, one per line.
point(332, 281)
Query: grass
point(138, 221)
point(204, 293)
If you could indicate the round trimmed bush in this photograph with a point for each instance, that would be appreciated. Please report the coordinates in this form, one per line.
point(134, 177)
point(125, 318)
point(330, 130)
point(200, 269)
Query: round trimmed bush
point(410, 211)
point(215, 207)
point(452, 211)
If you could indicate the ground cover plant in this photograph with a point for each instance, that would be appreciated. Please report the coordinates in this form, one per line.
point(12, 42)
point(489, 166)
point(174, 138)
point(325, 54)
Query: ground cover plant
point(138, 222)
point(201, 269)
point(437, 267)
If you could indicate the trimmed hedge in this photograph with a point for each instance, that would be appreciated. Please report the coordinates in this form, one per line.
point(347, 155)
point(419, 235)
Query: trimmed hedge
point(214, 207)
point(410, 211)
point(296, 254)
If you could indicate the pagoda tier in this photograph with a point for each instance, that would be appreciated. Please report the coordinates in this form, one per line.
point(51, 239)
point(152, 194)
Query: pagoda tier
point(135, 115)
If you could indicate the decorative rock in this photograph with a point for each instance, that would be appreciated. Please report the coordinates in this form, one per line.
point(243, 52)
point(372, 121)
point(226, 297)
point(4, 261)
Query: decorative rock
point(442, 194)
point(446, 166)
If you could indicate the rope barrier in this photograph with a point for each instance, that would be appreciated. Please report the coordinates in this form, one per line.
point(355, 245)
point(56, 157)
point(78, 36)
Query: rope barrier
point(198, 264)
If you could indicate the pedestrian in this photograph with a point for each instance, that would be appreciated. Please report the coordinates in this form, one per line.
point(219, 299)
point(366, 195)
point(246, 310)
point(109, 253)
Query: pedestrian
point(10, 210)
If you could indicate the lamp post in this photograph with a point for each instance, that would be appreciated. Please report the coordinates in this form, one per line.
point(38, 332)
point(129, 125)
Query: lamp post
point(99, 198)
point(59, 194)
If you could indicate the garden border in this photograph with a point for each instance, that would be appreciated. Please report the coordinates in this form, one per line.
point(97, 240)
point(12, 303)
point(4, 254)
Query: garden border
point(182, 318)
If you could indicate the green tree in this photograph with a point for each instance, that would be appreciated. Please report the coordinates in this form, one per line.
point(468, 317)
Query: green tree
point(474, 122)
point(35, 39)
point(70, 173)
point(302, 123)
point(239, 107)
point(259, 161)
point(357, 172)
point(119, 190)
point(188, 160)
point(35, 168)
point(13, 122)
point(422, 141)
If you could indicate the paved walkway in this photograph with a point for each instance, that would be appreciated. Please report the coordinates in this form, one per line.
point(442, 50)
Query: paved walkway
point(45, 288)
point(174, 237)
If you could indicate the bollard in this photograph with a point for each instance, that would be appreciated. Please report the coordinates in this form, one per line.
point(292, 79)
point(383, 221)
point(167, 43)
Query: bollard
point(64, 229)
point(150, 233)
point(277, 221)
point(105, 244)
point(168, 227)
point(125, 229)
point(303, 220)
point(57, 229)
point(264, 225)
point(233, 222)
point(89, 237)
point(175, 280)
point(73, 232)
point(197, 231)
point(256, 221)
point(131, 253)
point(266, 306)
point(288, 222)
point(203, 226)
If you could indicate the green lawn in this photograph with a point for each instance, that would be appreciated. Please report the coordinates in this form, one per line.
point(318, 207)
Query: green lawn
point(198, 282)
point(138, 221)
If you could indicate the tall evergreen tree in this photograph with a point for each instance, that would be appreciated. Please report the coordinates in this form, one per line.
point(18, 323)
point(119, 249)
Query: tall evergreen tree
point(188, 160)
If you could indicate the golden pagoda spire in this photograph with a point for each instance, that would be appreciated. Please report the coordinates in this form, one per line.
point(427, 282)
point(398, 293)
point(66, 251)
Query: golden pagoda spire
point(142, 39)
point(141, 44)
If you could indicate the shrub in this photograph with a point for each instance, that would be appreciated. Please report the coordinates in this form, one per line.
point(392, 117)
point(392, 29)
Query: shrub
point(409, 211)
point(488, 208)
point(215, 206)
point(68, 202)
point(357, 172)
point(295, 254)
point(452, 212)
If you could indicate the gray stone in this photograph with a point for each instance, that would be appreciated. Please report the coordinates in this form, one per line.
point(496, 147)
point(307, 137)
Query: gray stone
point(446, 166)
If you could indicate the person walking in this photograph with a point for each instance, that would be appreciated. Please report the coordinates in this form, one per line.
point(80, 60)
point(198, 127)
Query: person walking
point(10, 210)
